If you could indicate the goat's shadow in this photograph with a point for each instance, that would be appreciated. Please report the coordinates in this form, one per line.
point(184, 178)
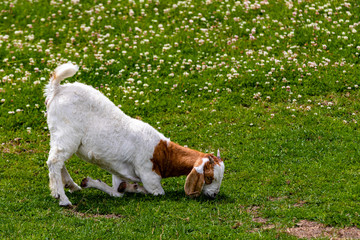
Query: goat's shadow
point(93, 200)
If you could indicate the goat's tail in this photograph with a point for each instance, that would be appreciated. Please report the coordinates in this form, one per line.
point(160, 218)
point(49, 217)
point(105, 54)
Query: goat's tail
point(63, 71)
point(60, 73)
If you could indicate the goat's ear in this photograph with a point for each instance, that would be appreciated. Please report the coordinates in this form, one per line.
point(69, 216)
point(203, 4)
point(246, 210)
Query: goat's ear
point(194, 183)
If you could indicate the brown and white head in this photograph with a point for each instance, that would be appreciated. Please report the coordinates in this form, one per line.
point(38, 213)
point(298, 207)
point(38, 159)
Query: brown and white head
point(205, 177)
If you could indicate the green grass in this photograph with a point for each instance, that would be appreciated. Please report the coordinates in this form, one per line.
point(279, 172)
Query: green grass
point(282, 108)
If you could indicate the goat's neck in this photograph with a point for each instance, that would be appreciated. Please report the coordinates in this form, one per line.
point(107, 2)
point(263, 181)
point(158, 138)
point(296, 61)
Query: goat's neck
point(172, 160)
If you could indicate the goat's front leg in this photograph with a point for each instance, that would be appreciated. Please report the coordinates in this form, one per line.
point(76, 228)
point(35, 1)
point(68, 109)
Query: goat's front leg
point(152, 183)
point(56, 162)
point(68, 181)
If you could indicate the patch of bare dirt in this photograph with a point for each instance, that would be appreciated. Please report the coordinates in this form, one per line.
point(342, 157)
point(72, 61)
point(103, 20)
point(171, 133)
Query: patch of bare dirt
point(300, 203)
point(256, 218)
point(273, 199)
point(308, 229)
point(263, 227)
point(349, 233)
point(253, 210)
point(303, 229)
point(259, 220)
point(17, 146)
point(89, 215)
point(237, 224)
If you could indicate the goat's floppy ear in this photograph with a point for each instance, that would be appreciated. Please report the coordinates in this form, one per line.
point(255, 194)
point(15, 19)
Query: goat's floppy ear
point(195, 181)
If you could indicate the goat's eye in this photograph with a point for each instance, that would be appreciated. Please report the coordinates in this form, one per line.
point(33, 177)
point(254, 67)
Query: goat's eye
point(208, 180)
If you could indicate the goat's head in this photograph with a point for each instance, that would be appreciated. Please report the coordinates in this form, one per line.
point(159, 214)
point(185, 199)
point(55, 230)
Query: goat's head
point(205, 177)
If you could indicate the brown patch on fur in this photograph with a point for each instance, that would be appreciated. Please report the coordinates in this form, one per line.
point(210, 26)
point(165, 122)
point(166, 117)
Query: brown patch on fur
point(84, 183)
point(172, 160)
point(208, 172)
point(122, 187)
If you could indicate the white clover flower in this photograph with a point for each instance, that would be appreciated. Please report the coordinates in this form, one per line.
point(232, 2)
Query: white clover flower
point(131, 12)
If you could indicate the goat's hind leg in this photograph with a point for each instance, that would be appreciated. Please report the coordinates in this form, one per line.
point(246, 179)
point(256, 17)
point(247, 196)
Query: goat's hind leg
point(98, 184)
point(56, 162)
point(123, 186)
point(117, 190)
point(68, 181)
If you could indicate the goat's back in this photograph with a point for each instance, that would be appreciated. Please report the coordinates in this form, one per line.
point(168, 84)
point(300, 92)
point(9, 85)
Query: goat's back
point(104, 131)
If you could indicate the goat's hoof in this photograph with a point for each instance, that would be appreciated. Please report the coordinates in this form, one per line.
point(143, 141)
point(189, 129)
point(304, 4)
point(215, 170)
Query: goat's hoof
point(141, 189)
point(55, 195)
point(122, 187)
point(84, 182)
point(74, 188)
point(65, 203)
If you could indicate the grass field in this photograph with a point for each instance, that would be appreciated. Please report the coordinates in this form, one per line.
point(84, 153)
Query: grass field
point(273, 84)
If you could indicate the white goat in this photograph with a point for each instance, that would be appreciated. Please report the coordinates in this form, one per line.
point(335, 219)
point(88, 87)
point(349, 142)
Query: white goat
point(84, 122)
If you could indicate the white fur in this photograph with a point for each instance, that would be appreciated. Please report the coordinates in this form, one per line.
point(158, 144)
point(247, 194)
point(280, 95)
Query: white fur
point(83, 121)
point(200, 169)
point(213, 189)
point(61, 72)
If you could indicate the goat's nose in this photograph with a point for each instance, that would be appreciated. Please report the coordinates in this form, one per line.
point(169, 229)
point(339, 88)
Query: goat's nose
point(212, 196)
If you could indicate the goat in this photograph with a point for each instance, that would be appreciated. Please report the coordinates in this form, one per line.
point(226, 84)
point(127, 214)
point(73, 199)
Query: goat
point(84, 122)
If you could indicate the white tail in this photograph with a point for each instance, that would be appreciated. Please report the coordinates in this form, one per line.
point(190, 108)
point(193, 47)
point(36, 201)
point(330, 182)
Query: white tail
point(64, 71)
point(60, 73)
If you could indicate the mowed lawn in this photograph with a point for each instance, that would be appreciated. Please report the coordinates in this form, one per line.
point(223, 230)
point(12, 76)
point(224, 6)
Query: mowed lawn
point(273, 84)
